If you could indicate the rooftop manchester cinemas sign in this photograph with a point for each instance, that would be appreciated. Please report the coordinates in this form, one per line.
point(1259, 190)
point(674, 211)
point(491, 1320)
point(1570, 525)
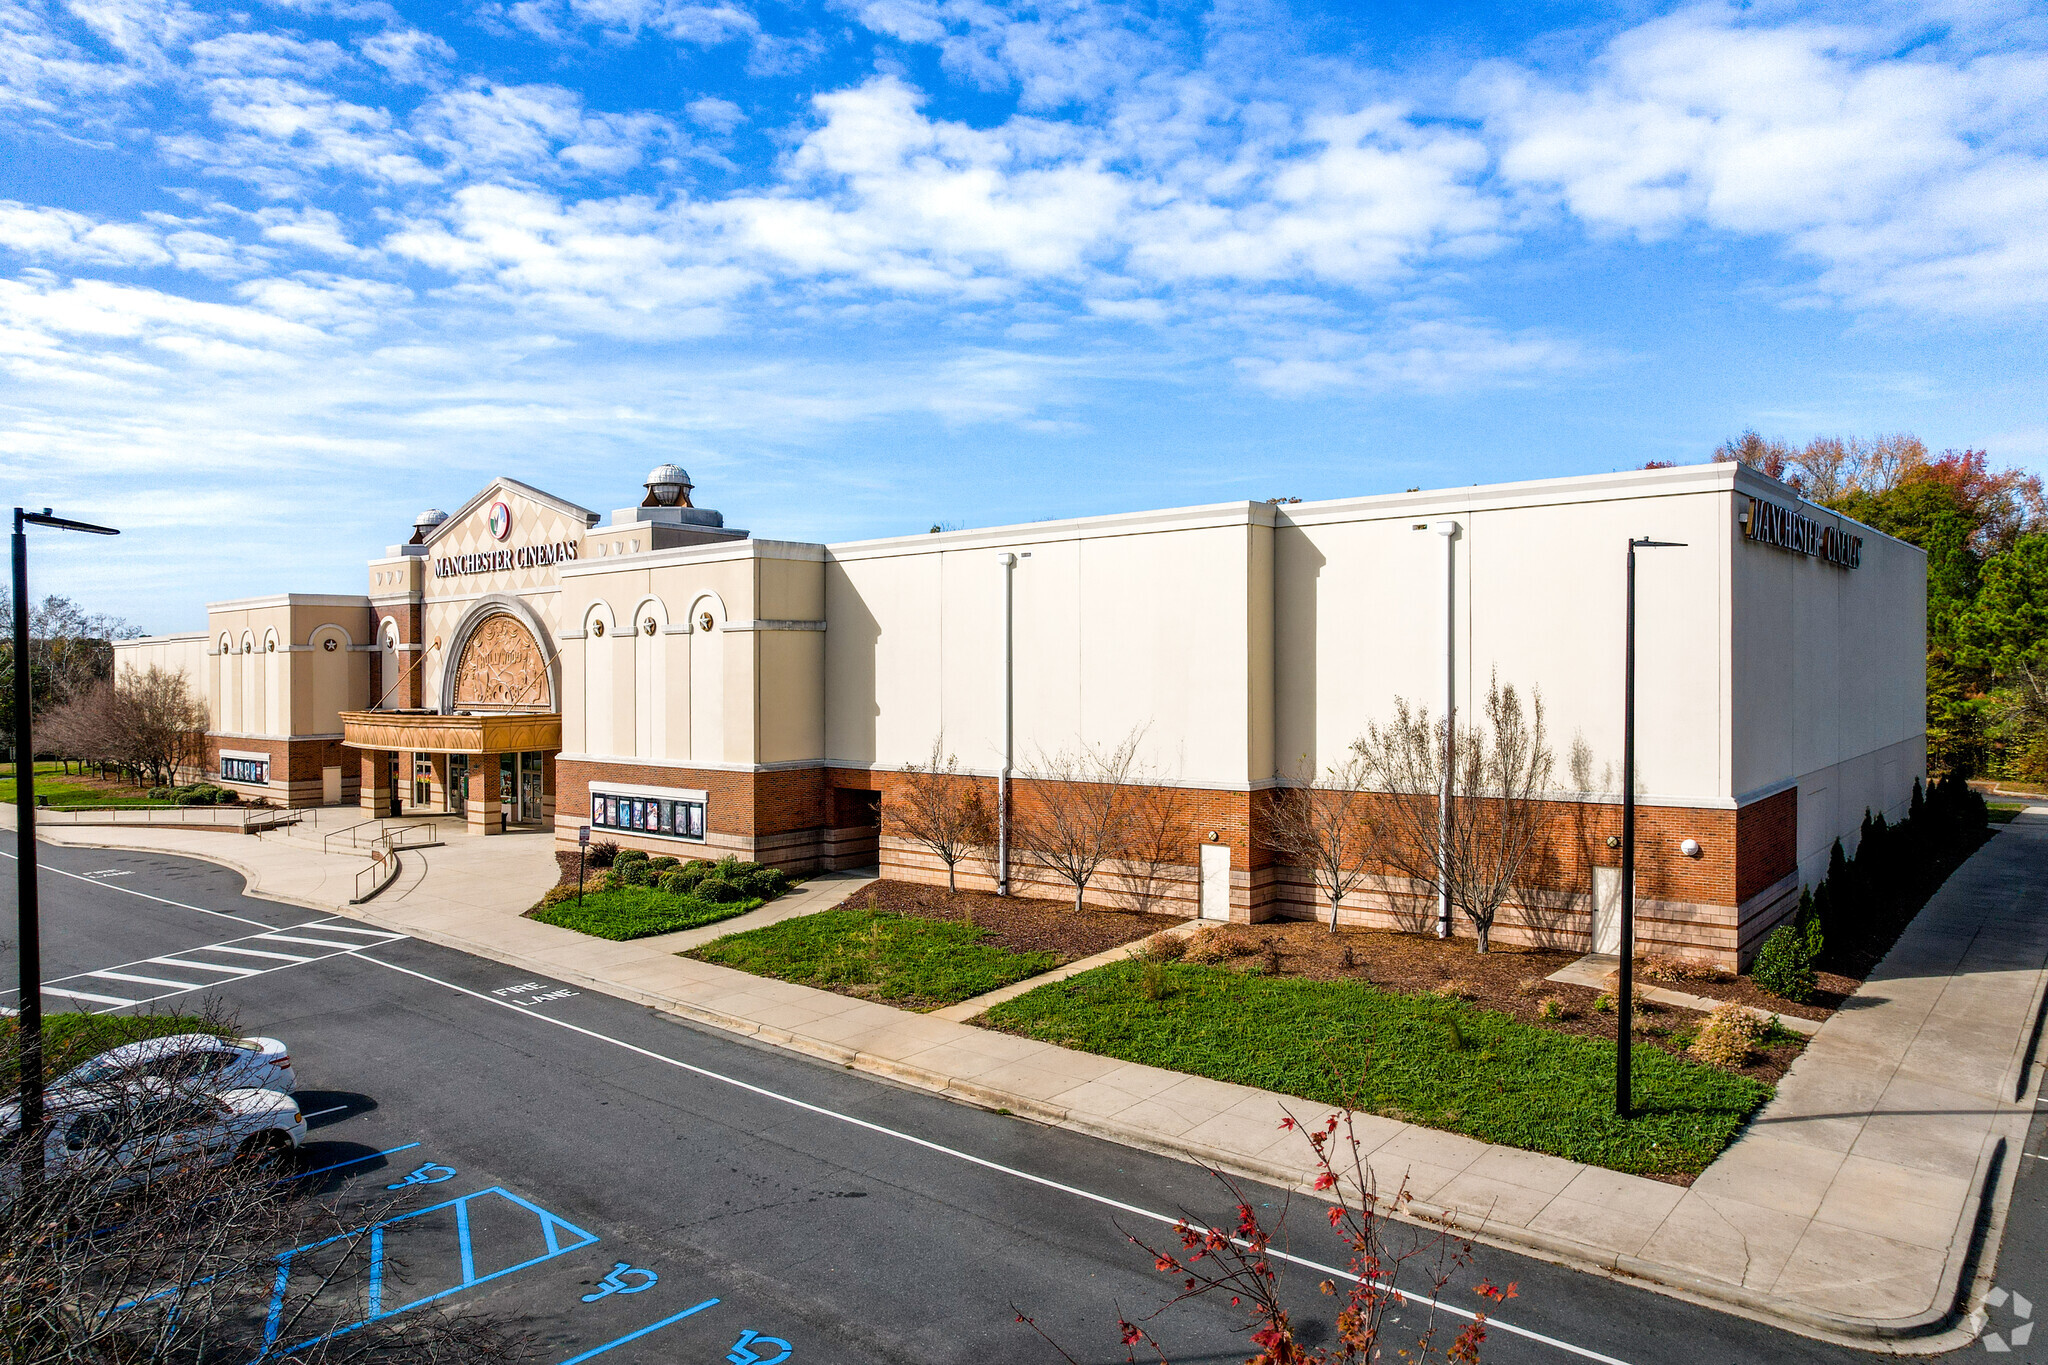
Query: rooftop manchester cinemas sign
point(501, 561)
point(1769, 524)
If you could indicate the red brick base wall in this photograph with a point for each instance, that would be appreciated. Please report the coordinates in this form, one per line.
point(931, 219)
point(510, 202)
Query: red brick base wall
point(296, 769)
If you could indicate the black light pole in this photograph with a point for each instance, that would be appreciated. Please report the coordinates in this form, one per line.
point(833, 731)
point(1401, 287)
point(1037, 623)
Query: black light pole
point(1624, 1007)
point(28, 933)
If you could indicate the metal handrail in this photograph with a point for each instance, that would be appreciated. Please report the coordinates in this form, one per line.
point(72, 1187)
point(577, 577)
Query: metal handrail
point(327, 840)
point(187, 815)
point(383, 868)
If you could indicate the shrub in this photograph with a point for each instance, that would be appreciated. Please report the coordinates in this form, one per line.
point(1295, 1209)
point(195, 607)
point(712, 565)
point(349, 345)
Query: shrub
point(1659, 968)
point(1152, 982)
point(603, 853)
point(661, 865)
point(1784, 966)
point(1166, 947)
point(1550, 1007)
point(1729, 1035)
point(1453, 990)
point(1530, 985)
point(765, 882)
point(718, 891)
point(630, 855)
point(672, 882)
point(1207, 945)
point(632, 871)
point(691, 873)
point(1604, 1003)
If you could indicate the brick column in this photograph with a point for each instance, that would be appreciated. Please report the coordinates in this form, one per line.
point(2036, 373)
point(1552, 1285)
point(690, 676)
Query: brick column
point(485, 795)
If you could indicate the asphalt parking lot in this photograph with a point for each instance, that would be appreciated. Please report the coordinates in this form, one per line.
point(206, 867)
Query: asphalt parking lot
point(623, 1185)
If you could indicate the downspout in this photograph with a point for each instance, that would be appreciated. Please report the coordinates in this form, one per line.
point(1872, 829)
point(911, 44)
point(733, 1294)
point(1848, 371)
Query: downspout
point(1448, 530)
point(1009, 563)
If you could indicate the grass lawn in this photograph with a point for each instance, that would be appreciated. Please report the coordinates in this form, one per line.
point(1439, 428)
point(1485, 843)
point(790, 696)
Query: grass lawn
point(921, 964)
point(2003, 815)
point(57, 789)
point(69, 1038)
point(1419, 1059)
point(637, 912)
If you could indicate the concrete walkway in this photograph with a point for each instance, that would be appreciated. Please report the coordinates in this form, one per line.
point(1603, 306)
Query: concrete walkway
point(1846, 1210)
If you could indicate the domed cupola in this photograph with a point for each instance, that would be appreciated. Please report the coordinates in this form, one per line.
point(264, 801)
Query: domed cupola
point(668, 485)
point(424, 523)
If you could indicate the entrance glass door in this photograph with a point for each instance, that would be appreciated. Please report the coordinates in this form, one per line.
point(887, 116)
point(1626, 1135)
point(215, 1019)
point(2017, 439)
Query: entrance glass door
point(530, 807)
point(508, 789)
point(458, 784)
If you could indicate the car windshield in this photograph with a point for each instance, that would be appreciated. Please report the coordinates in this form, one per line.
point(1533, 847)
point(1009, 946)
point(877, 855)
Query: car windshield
point(94, 1071)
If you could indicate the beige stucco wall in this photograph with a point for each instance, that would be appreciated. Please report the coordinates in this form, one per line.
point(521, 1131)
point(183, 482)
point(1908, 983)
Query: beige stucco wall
point(1539, 591)
point(268, 674)
point(1152, 624)
point(181, 654)
point(747, 690)
point(1831, 664)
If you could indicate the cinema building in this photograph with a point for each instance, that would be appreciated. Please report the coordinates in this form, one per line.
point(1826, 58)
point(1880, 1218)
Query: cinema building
point(531, 665)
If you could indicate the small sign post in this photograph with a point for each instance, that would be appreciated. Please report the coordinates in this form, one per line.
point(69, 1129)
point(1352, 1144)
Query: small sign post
point(582, 852)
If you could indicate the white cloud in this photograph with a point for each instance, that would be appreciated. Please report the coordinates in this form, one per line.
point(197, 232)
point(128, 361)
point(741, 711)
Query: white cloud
point(536, 130)
point(720, 116)
point(62, 235)
point(408, 55)
point(1916, 179)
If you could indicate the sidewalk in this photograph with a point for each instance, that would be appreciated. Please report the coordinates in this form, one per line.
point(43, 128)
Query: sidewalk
point(1848, 1209)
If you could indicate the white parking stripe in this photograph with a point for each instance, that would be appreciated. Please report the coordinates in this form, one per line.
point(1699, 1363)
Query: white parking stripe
point(114, 1000)
point(1046, 1182)
point(337, 928)
point(246, 952)
point(224, 974)
point(149, 980)
point(321, 942)
point(202, 966)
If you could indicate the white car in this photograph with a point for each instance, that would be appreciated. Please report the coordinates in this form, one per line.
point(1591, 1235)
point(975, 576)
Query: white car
point(151, 1128)
point(188, 1059)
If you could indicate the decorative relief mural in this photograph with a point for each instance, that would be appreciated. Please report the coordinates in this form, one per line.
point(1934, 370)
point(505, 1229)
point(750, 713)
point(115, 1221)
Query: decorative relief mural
point(501, 666)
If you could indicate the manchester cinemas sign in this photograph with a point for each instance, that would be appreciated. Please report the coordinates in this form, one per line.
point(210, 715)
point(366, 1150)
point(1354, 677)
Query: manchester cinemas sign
point(1767, 523)
point(507, 559)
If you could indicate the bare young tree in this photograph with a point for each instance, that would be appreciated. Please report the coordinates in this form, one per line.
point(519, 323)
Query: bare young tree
point(1320, 823)
point(161, 725)
point(940, 811)
point(1078, 811)
point(1500, 773)
point(1155, 845)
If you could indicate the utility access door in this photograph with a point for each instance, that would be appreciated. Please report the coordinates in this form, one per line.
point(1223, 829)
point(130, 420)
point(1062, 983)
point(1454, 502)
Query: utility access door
point(1215, 881)
point(1607, 911)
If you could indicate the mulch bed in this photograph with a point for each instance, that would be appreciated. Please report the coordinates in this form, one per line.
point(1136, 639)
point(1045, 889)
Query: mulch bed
point(1021, 924)
point(1507, 978)
point(1830, 990)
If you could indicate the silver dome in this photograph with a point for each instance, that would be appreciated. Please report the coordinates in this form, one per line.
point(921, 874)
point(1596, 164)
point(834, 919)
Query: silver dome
point(433, 516)
point(667, 485)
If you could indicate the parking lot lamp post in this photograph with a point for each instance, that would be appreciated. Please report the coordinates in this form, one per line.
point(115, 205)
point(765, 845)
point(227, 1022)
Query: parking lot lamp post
point(1624, 1005)
point(28, 934)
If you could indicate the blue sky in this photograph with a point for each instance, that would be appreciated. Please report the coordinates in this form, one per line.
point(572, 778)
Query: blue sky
point(274, 278)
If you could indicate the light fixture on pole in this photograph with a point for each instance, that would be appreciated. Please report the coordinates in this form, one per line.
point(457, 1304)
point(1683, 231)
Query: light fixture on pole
point(28, 935)
point(1624, 1006)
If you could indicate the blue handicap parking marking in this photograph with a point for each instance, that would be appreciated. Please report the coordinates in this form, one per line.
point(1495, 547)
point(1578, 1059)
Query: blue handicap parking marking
point(491, 1233)
point(749, 1349)
point(432, 1173)
point(616, 1282)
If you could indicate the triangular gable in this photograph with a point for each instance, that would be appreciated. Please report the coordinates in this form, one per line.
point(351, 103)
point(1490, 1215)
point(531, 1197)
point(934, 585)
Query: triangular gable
point(505, 485)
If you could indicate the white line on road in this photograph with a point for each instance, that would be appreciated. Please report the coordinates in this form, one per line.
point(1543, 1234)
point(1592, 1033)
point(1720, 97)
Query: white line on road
point(229, 975)
point(969, 1157)
point(247, 952)
point(323, 942)
point(204, 966)
point(323, 1113)
point(149, 980)
point(94, 881)
point(114, 1001)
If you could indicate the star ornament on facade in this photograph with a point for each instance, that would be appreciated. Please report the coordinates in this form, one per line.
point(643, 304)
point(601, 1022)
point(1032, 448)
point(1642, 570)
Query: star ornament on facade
point(2019, 1335)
